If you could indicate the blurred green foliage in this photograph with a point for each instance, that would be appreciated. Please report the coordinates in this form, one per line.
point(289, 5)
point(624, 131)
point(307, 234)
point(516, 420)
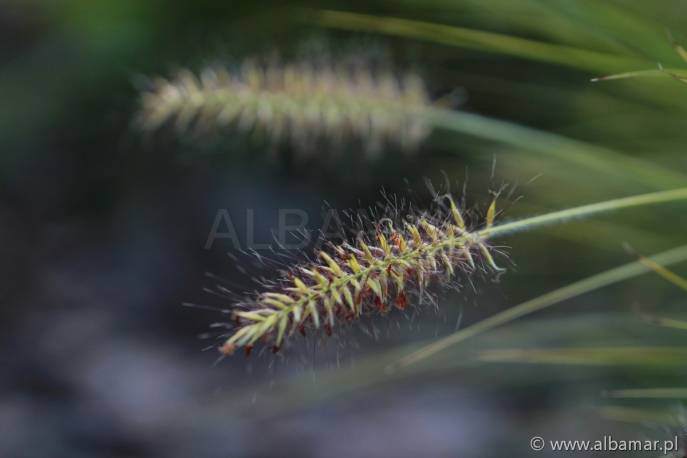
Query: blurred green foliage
point(533, 118)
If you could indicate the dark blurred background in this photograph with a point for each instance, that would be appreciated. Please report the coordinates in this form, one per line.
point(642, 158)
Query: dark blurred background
point(103, 231)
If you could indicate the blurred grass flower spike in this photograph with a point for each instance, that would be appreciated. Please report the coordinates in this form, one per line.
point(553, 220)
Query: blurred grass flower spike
point(306, 104)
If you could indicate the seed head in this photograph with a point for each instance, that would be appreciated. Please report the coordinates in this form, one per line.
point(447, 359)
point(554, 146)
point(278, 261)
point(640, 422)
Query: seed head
point(378, 272)
point(300, 103)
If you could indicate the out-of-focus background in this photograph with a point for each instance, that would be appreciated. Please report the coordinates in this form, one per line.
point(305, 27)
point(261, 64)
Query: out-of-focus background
point(104, 230)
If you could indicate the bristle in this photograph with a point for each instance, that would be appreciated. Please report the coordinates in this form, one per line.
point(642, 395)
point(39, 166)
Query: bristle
point(375, 276)
point(299, 103)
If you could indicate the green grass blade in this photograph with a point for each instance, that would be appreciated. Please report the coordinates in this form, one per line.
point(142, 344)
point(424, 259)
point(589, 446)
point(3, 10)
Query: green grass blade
point(600, 159)
point(634, 29)
point(578, 288)
point(663, 321)
point(478, 40)
point(666, 274)
point(627, 75)
point(677, 75)
point(589, 356)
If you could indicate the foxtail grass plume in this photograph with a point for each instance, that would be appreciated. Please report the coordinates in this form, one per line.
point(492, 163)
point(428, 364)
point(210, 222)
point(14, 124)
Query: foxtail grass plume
point(304, 104)
point(389, 268)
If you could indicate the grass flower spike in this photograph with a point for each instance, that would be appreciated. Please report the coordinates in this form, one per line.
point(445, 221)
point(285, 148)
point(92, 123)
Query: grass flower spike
point(301, 103)
point(348, 281)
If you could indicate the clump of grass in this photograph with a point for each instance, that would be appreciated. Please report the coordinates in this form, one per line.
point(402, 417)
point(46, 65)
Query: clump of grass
point(302, 103)
point(375, 274)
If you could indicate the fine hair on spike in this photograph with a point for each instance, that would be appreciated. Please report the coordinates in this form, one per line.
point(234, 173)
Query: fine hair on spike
point(388, 266)
point(305, 103)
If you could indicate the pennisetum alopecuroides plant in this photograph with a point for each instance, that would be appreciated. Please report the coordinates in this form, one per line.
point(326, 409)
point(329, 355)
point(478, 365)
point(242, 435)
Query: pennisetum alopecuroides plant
point(305, 104)
point(380, 270)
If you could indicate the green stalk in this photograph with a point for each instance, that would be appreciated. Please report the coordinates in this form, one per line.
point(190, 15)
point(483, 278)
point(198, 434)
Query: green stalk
point(588, 356)
point(583, 211)
point(603, 160)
